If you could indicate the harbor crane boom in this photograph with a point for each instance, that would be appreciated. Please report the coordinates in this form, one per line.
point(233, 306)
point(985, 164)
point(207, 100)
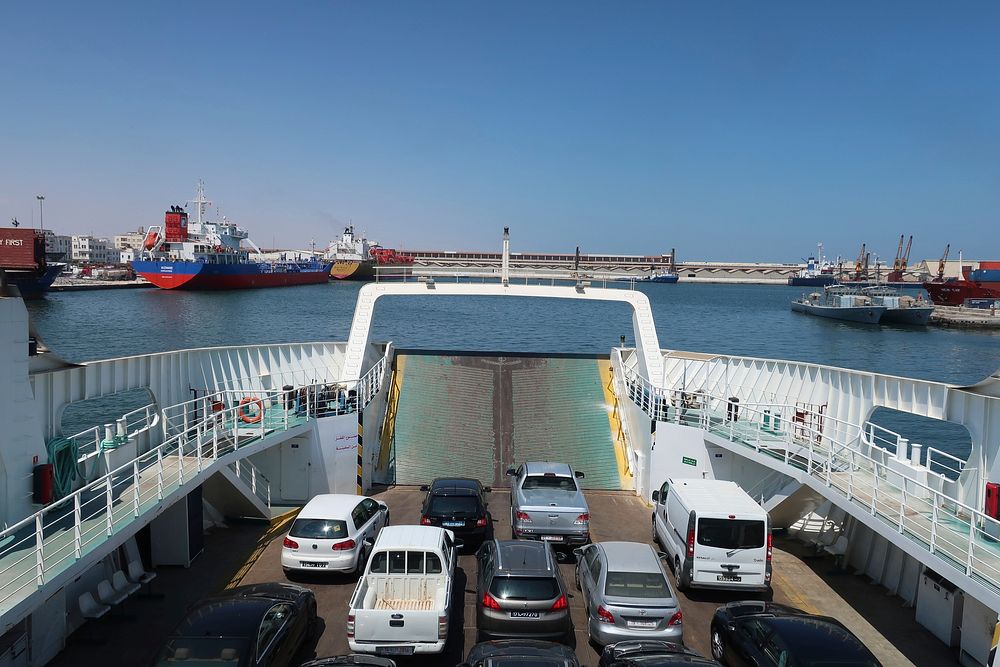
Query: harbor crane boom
point(899, 253)
point(859, 263)
point(906, 255)
point(944, 258)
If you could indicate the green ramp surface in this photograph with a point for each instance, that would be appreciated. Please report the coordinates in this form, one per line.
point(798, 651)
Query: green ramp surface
point(474, 415)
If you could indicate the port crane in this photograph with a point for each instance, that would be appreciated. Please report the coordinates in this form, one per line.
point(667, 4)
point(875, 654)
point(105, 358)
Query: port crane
point(902, 260)
point(944, 258)
point(861, 264)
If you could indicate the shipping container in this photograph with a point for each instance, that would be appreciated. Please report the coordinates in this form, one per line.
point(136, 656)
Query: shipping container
point(22, 249)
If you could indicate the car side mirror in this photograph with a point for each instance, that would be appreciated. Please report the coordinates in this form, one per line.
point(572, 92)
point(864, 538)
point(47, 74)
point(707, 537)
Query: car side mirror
point(384, 506)
point(424, 487)
point(511, 471)
point(369, 542)
point(578, 552)
point(487, 489)
point(459, 544)
point(579, 475)
point(656, 496)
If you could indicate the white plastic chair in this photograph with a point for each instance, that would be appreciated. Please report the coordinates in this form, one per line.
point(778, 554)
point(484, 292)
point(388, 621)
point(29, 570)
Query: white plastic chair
point(107, 594)
point(137, 574)
point(91, 608)
point(123, 585)
point(838, 550)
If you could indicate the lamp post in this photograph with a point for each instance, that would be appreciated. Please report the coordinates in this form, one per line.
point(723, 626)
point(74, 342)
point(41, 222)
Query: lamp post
point(41, 220)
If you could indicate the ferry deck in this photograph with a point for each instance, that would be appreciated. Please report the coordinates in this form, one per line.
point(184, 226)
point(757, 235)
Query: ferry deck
point(798, 438)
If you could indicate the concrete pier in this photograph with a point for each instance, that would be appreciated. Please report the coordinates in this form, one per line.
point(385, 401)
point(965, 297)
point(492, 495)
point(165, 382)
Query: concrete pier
point(967, 318)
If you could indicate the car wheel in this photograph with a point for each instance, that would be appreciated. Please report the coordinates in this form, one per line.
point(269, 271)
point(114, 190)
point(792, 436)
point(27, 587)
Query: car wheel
point(313, 627)
point(656, 538)
point(682, 579)
point(513, 535)
point(718, 647)
point(386, 519)
point(359, 567)
point(577, 577)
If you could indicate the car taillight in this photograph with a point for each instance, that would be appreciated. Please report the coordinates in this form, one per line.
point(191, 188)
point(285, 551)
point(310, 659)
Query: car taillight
point(350, 625)
point(481, 523)
point(424, 521)
point(676, 619)
point(560, 604)
point(523, 517)
point(490, 602)
point(769, 546)
point(345, 546)
point(603, 615)
point(290, 544)
point(690, 551)
point(442, 627)
point(583, 518)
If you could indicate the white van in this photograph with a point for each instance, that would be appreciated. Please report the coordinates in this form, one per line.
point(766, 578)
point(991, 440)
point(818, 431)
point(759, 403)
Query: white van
point(715, 535)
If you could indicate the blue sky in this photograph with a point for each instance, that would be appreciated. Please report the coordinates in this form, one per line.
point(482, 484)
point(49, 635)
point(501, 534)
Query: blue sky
point(729, 130)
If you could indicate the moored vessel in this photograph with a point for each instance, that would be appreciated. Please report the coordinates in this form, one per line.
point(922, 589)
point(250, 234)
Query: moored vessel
point(357, 258)
point(900, 309)
point(840, 303)
point(981, 283)
point(210, 256)
point(818, 272)
point(22, 260)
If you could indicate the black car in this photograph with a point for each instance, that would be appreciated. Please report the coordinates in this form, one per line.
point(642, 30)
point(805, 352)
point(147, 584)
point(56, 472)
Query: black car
point(249, 626)
point(521, 652)
point(651, 653)
point(458, 504)
point(767, 634)
point(352, 659)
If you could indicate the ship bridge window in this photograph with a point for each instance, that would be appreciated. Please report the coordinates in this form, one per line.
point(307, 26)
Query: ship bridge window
point(885, 426)
point(80, 416)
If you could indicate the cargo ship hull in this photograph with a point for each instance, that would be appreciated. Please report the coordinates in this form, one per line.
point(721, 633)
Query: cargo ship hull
point(352, 270)
point(34, 284)
point(202, 276)
point(955, 292)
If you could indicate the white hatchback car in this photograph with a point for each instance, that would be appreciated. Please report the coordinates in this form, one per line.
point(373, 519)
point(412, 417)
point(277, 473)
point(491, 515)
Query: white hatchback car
point(333, 532)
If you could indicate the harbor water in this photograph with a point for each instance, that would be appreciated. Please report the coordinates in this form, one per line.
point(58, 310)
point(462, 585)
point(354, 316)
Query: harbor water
point(750, 320)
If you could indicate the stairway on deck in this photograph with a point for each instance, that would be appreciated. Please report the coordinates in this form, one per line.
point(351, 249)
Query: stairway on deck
point(473, 416)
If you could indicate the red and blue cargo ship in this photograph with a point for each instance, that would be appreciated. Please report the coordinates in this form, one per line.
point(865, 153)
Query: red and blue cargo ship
point(204, 255)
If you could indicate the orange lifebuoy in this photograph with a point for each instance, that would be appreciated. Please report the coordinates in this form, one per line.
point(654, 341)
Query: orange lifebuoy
point(251, 417)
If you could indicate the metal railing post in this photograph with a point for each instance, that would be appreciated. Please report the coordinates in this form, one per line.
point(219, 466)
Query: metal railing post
point(253, 480)
point(902, 508)
point(874, 492)
point(135, 486)
point(180, 459)
point(215, 441)
point(39, 553)
point(972, 540)
point(77, 520)
point(934, 521)
point(109, 499)
point(159, 473)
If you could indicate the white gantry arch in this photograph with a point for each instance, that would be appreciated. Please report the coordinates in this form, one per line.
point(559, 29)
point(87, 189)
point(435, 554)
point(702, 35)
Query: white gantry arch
point(647, 345)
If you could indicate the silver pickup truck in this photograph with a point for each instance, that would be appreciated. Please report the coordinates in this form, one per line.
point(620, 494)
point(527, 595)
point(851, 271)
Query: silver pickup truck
point(547, 504)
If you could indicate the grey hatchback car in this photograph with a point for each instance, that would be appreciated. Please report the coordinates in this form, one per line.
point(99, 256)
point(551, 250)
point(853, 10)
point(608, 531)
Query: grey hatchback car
point(520, 592)
point(627, 593)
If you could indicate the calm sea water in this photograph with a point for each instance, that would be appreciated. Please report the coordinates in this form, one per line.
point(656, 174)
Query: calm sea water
point(753, 320)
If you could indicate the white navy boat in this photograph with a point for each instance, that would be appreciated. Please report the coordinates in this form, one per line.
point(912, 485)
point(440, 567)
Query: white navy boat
point(240, 430)
point(840, 303)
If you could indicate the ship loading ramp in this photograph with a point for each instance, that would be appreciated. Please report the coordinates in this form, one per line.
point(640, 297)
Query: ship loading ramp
point(476, 414)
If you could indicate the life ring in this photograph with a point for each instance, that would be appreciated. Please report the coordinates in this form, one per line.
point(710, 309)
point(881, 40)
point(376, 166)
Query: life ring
point(247, 416)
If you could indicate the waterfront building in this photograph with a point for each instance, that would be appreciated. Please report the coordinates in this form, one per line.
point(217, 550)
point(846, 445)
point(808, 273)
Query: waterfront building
point(130, 239)
point(93, 250)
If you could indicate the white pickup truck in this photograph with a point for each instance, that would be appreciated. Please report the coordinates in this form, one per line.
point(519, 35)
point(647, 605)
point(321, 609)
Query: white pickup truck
point(402, 604)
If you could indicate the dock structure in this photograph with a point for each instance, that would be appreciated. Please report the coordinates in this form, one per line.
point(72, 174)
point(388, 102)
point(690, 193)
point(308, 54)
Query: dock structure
point(966, 318)
point(440, 262)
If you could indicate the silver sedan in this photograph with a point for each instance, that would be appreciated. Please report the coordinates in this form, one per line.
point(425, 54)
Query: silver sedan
point(627, 593)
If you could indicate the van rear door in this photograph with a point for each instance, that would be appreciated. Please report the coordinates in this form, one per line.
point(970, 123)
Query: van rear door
point(730, 551)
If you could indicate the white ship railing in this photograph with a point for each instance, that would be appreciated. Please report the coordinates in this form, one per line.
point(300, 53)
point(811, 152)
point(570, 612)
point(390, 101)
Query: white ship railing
point(253, 478)
point(90, 442)
point(45, 544)
point(832, 454)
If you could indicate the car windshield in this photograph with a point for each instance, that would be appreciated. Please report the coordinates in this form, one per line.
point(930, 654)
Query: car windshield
point(636, 585)
point(319, 529)
point(731, 533)
point(452, 505)
point(524, 588)
point(222, 651)
point(556, 482)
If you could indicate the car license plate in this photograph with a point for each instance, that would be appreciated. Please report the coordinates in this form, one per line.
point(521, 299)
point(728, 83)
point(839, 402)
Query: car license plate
point(642, 624)
point(524, 614)
point(308, 563)
point(394, 650)
point(729, 577)
point(453, 524)
point(552, 538)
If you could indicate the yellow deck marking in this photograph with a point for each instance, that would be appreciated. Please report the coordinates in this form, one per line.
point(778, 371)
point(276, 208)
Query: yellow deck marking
point(789, 589)
point(604, 369)
point(392, 402)
point(278, 525)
